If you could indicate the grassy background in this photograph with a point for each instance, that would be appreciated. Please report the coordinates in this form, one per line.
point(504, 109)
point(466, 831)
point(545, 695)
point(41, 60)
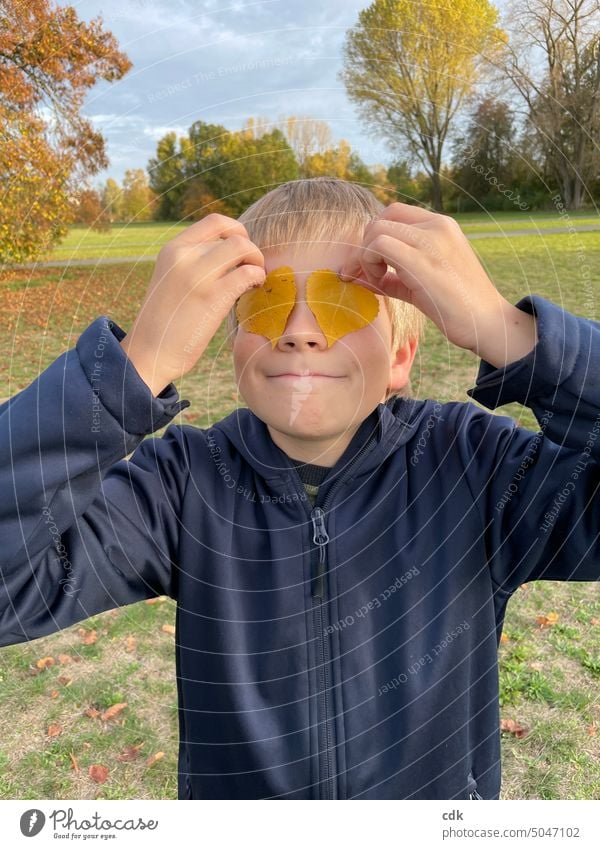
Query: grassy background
point(548, 675)
point(146, 239)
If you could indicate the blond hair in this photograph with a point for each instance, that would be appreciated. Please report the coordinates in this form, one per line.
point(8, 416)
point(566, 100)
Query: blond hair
point(326, 209)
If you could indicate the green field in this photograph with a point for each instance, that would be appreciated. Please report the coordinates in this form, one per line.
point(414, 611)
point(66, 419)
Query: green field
point(137, 240)
point(549, 676)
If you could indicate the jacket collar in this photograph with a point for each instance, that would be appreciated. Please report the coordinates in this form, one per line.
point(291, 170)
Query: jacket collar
point(390, 425)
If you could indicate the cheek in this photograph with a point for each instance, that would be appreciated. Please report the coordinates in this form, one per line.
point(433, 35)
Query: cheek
point(370, 346)
point(245, 349)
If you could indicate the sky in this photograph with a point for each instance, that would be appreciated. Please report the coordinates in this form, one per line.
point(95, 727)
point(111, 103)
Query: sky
point(223, 61)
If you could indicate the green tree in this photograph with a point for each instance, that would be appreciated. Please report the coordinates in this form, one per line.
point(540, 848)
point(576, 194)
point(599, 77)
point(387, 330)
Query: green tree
point(485, 160)
point(167, 177)
point(409, 67)
point(406, 188)
point(232, 169)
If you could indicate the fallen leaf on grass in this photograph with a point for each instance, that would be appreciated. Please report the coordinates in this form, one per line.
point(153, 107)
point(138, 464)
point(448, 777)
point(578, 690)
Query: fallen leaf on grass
point(92, 713)
point(512, 727)
point(112, 711)
point(98, 773)
point(53, 694)
point(550, 619)
point(157, 600)
point(64, 659)
point(87, 637)
point(592, 729)
point(131, 753)
point(503, 638)
point(45, 662)
point(153, 758)
point(65, 680)
point(168, 629)
point(74, 764)
point(130, 644)
point(54, 730)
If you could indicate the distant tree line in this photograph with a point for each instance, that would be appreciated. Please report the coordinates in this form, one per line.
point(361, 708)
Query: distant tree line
point(480, 110)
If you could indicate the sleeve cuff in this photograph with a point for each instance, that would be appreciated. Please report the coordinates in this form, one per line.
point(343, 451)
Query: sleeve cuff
point(549, 364)
point(116, 385)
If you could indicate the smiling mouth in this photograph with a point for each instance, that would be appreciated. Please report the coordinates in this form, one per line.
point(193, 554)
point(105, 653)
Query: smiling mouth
point(312, 374)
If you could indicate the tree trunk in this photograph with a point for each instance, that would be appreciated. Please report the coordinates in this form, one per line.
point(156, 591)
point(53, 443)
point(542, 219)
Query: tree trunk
point(437, 200)
point(577, 197)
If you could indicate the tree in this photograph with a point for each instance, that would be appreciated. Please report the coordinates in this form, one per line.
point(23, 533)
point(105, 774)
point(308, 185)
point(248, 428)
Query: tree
point(553, 62)
point(306, 136)
point(112, 199)
point(405, 186)
point(167, 179)
point(250, 167)
point(484, 157)
point(89, 209)
point(409, 67)
point(137, 198)
point(212, 164)
point(49, 59)
point(198, 202)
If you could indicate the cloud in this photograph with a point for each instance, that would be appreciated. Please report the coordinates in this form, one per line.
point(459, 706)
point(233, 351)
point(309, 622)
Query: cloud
point(222, 62)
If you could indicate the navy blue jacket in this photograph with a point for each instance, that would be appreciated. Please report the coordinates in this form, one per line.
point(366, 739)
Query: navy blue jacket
point(343, 651)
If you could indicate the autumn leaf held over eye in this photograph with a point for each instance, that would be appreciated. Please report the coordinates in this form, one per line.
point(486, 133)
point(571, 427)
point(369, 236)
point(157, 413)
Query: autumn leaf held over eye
point(339, 307)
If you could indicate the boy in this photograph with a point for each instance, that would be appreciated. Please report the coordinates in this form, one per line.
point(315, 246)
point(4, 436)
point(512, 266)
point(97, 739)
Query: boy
point(341, 554)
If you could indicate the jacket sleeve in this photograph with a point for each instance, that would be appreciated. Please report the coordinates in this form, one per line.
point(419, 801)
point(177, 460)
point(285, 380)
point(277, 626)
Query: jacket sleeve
point(538, 492)
point(82, 529)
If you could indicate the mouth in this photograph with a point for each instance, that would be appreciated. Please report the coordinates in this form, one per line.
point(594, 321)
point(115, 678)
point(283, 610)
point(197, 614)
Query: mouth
point(307, 374)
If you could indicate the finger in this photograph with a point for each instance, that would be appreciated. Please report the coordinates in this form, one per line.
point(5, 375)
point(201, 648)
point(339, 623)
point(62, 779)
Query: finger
point(407, 213)
point(243, 278)
point(351, 265)
point(384, 251)
point(415, 235)
point(213, 226)
point(233, 251)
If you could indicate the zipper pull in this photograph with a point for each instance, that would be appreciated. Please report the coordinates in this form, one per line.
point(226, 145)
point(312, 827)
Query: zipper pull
point(320, 538)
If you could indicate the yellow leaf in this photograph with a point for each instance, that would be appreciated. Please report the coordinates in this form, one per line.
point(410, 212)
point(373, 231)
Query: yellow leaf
point(339, 307)
point(265, 309)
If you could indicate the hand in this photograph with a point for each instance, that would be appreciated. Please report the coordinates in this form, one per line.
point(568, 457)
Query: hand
point(196, 280)
point(435, 269)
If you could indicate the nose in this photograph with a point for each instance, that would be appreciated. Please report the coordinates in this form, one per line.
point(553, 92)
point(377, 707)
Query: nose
point(302, 330)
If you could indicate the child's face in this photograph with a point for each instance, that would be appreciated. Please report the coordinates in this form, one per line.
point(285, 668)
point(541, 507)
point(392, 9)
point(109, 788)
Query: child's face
point(301, 406)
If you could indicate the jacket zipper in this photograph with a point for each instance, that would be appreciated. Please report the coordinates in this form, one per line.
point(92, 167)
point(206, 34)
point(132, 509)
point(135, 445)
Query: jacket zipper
point(473, 794)
point(325, 708)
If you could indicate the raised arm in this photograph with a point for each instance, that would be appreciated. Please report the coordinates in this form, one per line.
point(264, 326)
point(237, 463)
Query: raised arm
point(83, 530)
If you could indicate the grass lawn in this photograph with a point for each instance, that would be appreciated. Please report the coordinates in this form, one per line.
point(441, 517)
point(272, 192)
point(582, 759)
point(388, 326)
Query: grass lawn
point(146, 239)
point(548, 675)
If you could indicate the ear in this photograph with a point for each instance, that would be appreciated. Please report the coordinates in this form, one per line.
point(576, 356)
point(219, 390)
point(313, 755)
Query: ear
point(401, 364)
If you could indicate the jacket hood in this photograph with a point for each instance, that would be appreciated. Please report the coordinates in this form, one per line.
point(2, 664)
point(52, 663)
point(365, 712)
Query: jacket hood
point(390, 425)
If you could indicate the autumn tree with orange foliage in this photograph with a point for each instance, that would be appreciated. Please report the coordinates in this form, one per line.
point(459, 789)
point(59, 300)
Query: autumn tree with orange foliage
point(49, 59)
